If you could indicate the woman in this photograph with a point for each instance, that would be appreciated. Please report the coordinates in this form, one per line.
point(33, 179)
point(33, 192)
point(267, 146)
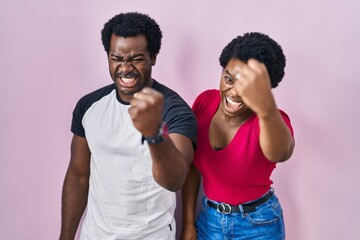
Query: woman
point(241, 136)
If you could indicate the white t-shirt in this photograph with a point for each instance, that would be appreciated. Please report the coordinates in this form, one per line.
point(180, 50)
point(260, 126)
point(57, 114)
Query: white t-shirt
point(124, 201)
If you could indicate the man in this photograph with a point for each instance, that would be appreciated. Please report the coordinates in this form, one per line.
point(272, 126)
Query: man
point(132, 146)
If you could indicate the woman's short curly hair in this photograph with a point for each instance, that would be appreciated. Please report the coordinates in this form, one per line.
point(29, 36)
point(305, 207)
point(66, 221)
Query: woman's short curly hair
point(132, 24)
point(260, 47)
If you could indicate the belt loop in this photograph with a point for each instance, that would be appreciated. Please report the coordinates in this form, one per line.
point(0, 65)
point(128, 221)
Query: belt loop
point(205, 201)
point(242, 210)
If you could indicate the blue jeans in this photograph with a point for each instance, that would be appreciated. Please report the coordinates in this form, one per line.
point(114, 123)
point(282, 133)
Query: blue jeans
point(266, 223)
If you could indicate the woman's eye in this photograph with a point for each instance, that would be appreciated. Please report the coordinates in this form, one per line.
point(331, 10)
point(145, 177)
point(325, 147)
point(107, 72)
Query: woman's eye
point(229, 79)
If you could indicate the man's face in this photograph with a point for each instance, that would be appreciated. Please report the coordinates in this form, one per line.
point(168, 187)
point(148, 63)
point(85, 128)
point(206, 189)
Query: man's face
point(130, 65)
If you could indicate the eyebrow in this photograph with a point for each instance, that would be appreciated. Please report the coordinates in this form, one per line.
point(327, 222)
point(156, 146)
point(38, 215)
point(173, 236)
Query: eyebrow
point(227, 72)
point(131, 57)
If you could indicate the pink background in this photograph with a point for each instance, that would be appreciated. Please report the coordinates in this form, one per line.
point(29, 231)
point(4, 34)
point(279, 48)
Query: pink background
point(51, 55)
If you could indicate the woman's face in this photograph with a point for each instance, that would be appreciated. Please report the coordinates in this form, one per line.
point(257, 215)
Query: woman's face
point(231, 102)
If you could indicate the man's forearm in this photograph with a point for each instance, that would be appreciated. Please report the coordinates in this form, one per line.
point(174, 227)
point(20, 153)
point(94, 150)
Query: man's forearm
point(171, 161)
point(74, 200)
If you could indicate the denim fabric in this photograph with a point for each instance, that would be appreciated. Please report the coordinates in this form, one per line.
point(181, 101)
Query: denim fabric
point(264, 224)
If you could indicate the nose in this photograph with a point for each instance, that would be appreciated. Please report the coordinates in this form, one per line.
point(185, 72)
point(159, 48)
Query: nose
point(235, 88)
point(125, 66)
point(238, 87)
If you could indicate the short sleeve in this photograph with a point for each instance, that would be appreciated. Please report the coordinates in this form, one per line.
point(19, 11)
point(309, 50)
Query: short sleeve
point(76, 124)
point(287, 121)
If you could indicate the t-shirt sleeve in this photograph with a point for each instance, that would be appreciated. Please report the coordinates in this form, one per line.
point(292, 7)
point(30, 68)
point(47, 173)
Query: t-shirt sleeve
point(287, 121)
point(76, 124)
point(195, 106)
point(200, 100)
point(84, 104)
point(180, 119)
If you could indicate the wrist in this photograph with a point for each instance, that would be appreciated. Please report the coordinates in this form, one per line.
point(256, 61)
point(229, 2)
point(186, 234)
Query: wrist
point(269, 114)
point(188, 222)
point(161, 135)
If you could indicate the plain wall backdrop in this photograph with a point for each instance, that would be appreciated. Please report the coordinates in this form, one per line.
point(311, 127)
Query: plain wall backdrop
point(51, 55)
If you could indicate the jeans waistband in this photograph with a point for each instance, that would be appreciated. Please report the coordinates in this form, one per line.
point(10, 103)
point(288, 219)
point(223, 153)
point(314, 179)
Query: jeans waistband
point(247, 207)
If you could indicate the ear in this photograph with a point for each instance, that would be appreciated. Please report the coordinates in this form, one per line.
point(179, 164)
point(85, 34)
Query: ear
point(153, 60)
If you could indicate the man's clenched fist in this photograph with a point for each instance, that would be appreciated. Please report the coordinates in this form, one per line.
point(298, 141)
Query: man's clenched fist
point(146, 111)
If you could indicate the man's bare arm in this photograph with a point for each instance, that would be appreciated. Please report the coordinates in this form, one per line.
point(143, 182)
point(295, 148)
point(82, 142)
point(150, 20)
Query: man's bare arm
point(171, 161)
point(75, 188)
point(171, 158)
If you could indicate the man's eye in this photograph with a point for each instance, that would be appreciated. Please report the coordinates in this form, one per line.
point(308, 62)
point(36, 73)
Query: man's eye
point(137, 60)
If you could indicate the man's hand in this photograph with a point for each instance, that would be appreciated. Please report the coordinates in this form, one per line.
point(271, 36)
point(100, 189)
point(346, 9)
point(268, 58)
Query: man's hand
point(171, 158)
point(146, 111)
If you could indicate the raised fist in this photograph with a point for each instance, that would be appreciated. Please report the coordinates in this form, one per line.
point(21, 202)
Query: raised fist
point(146, 109)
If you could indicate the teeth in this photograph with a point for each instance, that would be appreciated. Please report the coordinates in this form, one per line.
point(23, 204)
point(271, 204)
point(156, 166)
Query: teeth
point(233, 103)
point(128, 80)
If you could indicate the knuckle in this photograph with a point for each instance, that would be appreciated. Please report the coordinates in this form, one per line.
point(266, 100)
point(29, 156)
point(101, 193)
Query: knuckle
point(151, 101)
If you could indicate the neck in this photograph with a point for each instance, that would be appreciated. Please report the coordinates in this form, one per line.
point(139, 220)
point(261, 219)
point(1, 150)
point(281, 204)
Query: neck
point(234, 120)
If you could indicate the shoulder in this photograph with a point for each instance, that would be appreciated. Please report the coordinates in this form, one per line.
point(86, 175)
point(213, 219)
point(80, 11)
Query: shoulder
point(166, 91)
point(177, 113)
point(171, 98)
point(97, 94)
point(89, 99)
point(286, 119)
point(207, 94)
point(210, 93)
point(206, 98)
point(284, 114)
point(84, 104)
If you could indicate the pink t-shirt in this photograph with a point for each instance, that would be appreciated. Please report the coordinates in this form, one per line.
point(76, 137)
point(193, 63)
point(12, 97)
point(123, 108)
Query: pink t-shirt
point(240, 172)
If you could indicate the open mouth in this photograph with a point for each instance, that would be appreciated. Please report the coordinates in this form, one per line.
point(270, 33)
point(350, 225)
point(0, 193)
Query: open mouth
point(232, 104)
point(127, 81)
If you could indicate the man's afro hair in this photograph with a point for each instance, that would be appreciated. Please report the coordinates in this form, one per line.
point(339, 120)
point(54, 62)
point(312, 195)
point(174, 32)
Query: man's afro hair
point(132, 24)
point(260, 47)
